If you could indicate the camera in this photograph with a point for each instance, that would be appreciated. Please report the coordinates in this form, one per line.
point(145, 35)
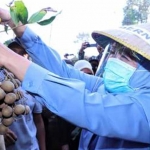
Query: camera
point(90, 45)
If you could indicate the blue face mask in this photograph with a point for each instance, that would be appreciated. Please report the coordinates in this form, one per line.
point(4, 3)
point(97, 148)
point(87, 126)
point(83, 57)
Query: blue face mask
point(117, 75)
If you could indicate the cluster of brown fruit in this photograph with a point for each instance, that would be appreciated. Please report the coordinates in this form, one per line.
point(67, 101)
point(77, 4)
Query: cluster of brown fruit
point(8, 97)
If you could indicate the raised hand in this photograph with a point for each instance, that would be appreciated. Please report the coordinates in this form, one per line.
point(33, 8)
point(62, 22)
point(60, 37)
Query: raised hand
point(84, 46)
point(4, 16)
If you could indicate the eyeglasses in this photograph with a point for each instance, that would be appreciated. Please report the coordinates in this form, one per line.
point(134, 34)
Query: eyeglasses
point(123, 51)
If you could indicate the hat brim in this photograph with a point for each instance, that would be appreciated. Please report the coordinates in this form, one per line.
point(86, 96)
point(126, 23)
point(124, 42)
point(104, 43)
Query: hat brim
point(135, 37)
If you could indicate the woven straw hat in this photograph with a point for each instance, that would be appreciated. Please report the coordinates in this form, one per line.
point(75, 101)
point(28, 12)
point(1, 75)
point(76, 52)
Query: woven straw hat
point(135, 37)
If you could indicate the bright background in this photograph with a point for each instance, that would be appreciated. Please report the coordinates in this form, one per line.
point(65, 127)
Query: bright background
point(77, 16)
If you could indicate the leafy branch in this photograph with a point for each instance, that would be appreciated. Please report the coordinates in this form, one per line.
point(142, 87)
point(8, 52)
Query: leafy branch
point(19, 13)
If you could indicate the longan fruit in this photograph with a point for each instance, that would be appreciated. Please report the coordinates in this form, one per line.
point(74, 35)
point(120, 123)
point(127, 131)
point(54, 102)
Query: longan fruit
point(7, 86)
point(19, 109)
point(7, 121)
point(2, 106)
point(27, 109)
point(2, 94)
point(18, 82)
point(7, 111)
point(3, 129)
point(10, 98)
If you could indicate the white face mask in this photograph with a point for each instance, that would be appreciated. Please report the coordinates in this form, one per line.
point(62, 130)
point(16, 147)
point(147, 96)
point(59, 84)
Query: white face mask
point(117, 75)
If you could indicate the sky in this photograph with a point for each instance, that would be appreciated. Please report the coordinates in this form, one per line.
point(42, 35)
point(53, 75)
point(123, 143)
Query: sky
point(77, 16)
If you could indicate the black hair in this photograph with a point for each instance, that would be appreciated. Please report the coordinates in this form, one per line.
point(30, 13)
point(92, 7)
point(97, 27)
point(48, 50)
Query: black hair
point(14, 46)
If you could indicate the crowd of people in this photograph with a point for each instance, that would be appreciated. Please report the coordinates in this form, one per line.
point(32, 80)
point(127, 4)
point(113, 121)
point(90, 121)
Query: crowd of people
point(108, 112)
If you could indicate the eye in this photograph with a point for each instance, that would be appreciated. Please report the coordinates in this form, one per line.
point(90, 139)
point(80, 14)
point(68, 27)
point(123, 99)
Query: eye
point(125, 57)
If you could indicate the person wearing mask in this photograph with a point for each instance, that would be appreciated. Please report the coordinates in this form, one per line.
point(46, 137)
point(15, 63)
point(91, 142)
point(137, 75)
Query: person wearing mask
point(114, 110)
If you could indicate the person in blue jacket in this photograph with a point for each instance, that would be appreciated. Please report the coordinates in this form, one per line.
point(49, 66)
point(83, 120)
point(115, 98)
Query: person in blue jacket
point(114, 110)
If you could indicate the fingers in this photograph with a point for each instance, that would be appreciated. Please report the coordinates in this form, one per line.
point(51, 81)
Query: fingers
point(85, 44)
point(4, 15)
point(10, 138)
point(12, 134)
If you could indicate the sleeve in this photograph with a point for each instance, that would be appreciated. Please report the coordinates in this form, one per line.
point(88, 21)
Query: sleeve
point(81, 55)
point(49, 59)
point(37, 107)
point(42, 54)
point(108, 115)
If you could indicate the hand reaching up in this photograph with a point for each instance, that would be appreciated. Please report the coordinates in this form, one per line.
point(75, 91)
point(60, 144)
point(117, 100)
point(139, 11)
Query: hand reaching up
point(4, 16)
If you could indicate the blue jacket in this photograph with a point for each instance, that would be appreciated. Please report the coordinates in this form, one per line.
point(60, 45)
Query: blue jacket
point(120, 121)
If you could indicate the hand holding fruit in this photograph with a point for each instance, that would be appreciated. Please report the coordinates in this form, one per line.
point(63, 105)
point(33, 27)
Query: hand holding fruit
point(4, 16)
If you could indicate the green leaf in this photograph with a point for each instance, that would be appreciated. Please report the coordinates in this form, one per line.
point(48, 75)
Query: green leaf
point(14, 15)
point(48, 21)
point(8, 42)
point(37, 16)
point(22, 12)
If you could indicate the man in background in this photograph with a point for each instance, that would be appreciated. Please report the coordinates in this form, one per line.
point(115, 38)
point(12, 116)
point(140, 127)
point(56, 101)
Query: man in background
point(94, 60)
point(31, 133)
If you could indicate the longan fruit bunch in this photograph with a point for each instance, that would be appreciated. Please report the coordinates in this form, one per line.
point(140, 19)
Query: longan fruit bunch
point(9, 95)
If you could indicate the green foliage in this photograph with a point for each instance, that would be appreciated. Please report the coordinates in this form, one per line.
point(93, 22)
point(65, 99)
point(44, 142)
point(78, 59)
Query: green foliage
point(82, 37)
point(48, 21)
point(37, 16)
point(136, 11)
point(14, 16)
point(19, 13)
point(8, 42)
point(21, 10)
point(131, 16)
